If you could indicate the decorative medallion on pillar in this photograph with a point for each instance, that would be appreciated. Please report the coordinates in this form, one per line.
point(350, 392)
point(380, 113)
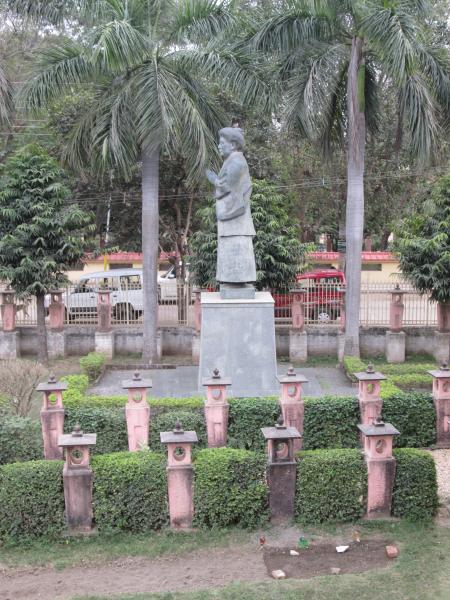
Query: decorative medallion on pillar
point(52, 416)
point(292, 405)
point(370, 402)
point(216, 409)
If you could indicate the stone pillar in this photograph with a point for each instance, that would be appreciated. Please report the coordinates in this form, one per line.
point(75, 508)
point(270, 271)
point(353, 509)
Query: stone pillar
point(52, 416)
point(77, 476)
point(443, 317)
point(179, 475)
point(377, 439)
point(197, 326)
point(441, 399)
point(137, 412)
point(370, 402)
point(56, 338)
point(104, 336)
point(216, 409)
point(341, 330)
point(292, 405)
point(441, 346)
point(395, 345)
point(9, 343)
point(281, 469)
point(298, 338)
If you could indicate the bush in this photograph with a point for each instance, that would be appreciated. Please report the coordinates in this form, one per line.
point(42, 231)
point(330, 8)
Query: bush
point(130, 491)
point(92, 364)
point(20, 439)
point(18, 381)
point(230, 488)
point(76, 383)
point(411, 381)
point(413, 414)
point(165, 422)
point(108, 423)
point(31, 499)
point(331, 422)
point(331, 486)
point(352, 364)
point(415, 489)
point(246, 417)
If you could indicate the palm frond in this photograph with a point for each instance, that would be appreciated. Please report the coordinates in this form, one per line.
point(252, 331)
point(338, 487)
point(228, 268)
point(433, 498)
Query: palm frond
point(6, 99)
point(435, 65)
point(200, 20)
point(118, 46)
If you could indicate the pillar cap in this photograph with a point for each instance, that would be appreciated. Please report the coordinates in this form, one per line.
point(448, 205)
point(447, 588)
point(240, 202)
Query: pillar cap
point(442, 373)
point(378, 428)
point(397, 290)
point(52, 385)
point(137, 382)
point(280, 431)
point(178, 436)
point(369, 374)
point(292, 377)
point(77, 438)
point(216, 379)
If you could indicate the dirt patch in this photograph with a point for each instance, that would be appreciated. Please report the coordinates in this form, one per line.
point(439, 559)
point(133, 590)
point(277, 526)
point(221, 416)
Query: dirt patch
point(319, 559)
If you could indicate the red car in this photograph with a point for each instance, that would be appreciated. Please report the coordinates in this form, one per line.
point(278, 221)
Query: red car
point(324, 292)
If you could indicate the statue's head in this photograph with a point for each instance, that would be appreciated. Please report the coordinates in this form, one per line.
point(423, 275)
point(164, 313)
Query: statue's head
point(230, 140)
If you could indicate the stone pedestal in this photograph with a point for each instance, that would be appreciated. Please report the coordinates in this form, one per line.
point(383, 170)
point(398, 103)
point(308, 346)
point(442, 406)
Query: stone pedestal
point(52, 416)
point(216, 409)
point(9, 344)
point(298, 346)
point(56, 311)
point(238, 338)
point(396, 309)
point(159, 352)
point(137, 412)
point(341, 347)
point(8, 310)
point(395, 346)
point(56, 343)
point(441, 346)
point(196, 347)
point(104, 343)
point(179, 475)
point(292, 405)
point(370, 402)
point(441, 399)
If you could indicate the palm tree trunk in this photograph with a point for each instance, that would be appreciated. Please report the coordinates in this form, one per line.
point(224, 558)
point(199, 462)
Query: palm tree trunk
point(41, 329)
point(356, 139)
point(150, 249)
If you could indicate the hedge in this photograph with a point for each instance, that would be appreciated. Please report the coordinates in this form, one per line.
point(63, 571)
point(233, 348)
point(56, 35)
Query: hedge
point(413, 414)
point(108, 423)
point(331, 486)
point(166, 421)
point(92, 364)
point(130, 491)
point(402, 376)
point(20, 439)
point(31, 499)
point(415, 494)
point(246, 417)
point(230, 488)
point(331, 422)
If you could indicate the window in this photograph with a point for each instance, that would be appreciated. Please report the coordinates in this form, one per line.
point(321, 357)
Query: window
point(130, 282)
point(371, 267)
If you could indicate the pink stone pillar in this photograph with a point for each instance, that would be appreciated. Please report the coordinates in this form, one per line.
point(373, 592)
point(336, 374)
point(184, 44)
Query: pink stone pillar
point(342, 312)
point(370, 402)
point(441, 399)
point(396, 309)
point(137, 412)
point(377, 439)
point(298, 310)
point(52, 416)
point(179, 475)
point(216, 409)
point(104, 311)
point(77, 476)
point(281, 469)
point(292, 405)
point(197, 310)
point(56, 311)
point(443, 317)
point(8, 309)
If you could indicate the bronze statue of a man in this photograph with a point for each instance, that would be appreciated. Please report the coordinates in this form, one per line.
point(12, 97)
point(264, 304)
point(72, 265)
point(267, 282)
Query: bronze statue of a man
point(235, 230)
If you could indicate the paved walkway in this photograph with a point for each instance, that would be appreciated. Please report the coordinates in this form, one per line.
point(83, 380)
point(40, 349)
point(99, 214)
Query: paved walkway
point(181, 382)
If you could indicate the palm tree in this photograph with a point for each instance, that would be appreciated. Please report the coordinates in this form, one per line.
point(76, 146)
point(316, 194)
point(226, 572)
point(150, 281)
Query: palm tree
point(333, 57)
point(139, 58)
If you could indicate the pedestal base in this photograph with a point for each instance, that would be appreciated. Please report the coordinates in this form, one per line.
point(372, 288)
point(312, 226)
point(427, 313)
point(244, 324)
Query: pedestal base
point(78, 499)
point(56, 343)
point(298, 346)
point(293, 416)
point(138, 420)
point(381, 476)
point(442, 407)
point(441, 347)
point(341, 347)
point(9, 344)
point(370, 410)
point(52, 423)
point(181, 505)
point(196, 347)
point(282, 479)
point(238, 338)
point(395, 346)
point(216, 417)
point(104, 343)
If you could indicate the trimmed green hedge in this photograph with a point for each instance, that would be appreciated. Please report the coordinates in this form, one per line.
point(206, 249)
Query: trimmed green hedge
point(92, 364)
point(331, 486)
point(230, 488)
point(130, 491)
point(414, 416)
point(331, 422)
point(246, 417)
point(20, 439)
point(415, 494)
point(31, 499)
point(108, 423)
point(166, 421)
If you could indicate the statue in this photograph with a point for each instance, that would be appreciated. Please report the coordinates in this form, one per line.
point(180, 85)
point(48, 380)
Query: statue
point(236, 269)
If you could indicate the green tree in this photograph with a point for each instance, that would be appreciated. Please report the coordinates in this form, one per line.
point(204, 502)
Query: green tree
point(332, 57)
point(279, 254)
point(422, 243)
point(148, 98)
point(40, 232)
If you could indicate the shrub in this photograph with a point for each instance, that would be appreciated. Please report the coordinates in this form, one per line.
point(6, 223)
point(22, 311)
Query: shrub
point(246, 418)
point(413, 414)
point(411, 381)
point(130, 491)
point(165, 422)
point(92, 364)
point(415, 489)
point(230, 488)
point(108, 423)
point(352, 364)
point(31, 499)
point(18, 381)
point(331, 486)
point(76, 383)
point(331, 422)
point(20, 439)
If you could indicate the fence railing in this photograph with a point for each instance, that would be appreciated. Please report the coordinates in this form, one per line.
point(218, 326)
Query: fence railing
point(322, 305)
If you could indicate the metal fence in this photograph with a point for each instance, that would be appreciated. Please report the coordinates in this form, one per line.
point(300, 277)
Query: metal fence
point(322, 305)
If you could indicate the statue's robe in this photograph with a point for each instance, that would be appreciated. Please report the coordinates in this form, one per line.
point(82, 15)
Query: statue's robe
point(235, 230)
